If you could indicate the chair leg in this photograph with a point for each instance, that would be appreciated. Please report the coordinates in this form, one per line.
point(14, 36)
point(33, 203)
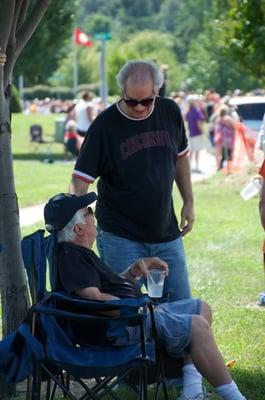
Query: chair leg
point(36, 383)
point(52, 394)
point(48, 389)
point(157, 390)
point(29, 387)
point(143, 395)
point(161, 377)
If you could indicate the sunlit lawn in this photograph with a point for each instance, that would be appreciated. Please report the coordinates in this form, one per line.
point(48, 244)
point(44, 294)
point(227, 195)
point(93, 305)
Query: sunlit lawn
point(223, 252)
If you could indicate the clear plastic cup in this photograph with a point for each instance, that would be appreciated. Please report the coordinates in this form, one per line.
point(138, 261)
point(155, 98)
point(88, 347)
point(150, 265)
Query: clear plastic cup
point(252, 188)
point(155, 282)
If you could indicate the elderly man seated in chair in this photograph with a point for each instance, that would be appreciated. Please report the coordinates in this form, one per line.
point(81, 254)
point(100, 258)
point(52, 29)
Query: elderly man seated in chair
point(183, 326)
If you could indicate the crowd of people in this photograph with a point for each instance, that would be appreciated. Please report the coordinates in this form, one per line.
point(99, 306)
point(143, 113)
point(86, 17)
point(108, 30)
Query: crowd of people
point(212, 124)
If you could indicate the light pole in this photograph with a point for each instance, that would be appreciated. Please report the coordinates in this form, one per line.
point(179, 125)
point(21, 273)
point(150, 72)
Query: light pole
point(103, 90)
point(102, 73)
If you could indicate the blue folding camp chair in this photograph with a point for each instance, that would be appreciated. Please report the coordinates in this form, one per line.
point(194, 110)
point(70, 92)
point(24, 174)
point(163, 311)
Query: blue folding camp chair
point(36, 249)
point(80, 342)
point(61, 320)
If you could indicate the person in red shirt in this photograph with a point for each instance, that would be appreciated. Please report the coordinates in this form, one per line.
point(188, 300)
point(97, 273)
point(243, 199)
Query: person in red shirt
point(72, 140)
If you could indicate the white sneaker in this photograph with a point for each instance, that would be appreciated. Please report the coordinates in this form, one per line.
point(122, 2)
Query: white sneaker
point(200, 396)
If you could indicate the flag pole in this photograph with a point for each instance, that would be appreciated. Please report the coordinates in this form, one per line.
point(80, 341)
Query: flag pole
point(75, 66)
point(103, 78)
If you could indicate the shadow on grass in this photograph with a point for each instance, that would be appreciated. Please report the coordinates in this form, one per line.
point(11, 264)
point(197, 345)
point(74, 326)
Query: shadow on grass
point(39, 156)
point(250, 382)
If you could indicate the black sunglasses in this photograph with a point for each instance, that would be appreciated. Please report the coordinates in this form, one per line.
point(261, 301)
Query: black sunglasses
point(134, 103)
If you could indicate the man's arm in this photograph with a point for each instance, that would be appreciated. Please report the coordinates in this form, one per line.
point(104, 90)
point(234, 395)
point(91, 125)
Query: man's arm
point(183, 181)
point(93, 293)
point(78, 186)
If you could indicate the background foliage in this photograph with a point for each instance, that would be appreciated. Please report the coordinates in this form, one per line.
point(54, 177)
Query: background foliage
point(207, 43)
point(49, 43)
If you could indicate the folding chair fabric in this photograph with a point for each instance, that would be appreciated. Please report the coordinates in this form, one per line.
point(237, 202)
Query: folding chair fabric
point(64, 351)
point(19, 353)
point(34, 258)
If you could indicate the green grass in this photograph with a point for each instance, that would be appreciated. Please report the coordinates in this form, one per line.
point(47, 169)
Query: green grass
point(223, 252)
point(35, 179)
point(225, 266)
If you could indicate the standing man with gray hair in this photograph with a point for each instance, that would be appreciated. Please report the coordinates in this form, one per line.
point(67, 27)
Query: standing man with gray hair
point(138, 148)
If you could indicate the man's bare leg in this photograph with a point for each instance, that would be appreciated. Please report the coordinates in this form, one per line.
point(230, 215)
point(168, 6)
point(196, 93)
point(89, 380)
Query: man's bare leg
point(192, 379)
point(209, 361)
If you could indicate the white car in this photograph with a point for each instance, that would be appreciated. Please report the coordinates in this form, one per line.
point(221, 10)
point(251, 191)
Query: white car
point(251, 109)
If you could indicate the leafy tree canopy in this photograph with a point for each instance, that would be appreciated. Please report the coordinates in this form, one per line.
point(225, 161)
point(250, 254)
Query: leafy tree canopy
point(213, 42)
point(97, 23)
point(48, 45)
point(243, 32)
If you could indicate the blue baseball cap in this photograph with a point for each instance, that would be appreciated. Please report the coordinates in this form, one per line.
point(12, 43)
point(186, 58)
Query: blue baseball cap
point(61, 208)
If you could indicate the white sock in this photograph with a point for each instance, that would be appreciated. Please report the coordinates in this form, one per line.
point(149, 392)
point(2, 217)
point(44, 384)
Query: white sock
point(229, 391)
point(192, 381)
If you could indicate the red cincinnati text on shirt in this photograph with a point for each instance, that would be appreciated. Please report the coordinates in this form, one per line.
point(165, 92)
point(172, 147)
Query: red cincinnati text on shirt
point(144, 140)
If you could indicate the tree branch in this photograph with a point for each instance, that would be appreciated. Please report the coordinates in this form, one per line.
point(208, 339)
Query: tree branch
point(23, 34)
point(30, 24)
point(23, 13)
point(12, 35)
point(6, 22)
point(19, 15)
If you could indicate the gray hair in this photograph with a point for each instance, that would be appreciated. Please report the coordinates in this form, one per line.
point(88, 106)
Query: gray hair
point(140, 72)
point(67, 234)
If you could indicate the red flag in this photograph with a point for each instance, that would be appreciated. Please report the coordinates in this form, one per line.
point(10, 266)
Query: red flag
point(81, 38)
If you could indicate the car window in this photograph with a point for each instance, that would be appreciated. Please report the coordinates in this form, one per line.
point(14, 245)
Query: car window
point(251, 111)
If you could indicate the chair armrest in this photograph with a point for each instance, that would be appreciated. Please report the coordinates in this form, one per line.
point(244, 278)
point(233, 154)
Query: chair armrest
point(60, 304)
point(101, 305)
point(74, 316)
point(59, 308)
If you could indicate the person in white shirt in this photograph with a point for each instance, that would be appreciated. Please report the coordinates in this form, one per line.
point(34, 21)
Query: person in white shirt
point(83, 114)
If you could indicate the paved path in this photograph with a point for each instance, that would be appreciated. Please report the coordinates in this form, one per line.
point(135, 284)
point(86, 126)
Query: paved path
point(34, 214)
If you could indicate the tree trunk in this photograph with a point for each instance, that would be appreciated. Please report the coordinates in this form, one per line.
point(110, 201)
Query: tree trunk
point(13, 284)
point(16, 28)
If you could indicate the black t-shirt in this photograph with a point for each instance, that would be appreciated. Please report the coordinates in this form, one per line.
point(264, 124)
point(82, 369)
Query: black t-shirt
point(79, 267)
point(136, 161)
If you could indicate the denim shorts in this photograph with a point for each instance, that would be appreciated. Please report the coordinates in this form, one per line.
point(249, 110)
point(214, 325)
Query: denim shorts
point(173, 323)
point(118, 253)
